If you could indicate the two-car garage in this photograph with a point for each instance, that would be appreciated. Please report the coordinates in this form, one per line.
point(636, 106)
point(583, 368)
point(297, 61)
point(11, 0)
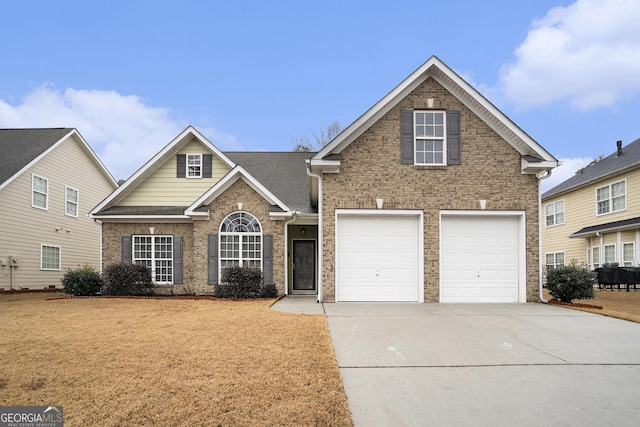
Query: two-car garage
point(380, 256)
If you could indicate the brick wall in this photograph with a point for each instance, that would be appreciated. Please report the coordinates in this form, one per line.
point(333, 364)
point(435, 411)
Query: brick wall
point(490, 170)
point(195, 236)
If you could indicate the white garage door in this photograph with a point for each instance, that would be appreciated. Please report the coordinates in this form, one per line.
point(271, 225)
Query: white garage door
point(479, 259)
point(378, 257)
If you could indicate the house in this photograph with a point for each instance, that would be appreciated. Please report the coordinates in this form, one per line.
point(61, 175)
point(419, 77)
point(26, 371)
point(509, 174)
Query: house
point(594, 216)
point(49, 180)
point(431, 195)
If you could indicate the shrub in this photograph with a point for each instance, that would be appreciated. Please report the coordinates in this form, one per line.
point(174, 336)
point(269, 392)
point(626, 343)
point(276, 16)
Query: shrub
point(127, 279)
point(243, 282)
point(82, 281)
point(569, 282)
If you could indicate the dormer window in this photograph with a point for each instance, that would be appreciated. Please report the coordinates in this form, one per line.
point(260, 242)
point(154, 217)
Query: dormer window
point(194, 165)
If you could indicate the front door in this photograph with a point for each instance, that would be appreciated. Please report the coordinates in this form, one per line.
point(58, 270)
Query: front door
point(304, 266)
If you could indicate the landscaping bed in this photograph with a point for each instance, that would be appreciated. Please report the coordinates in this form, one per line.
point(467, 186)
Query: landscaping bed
point(163, 361)
point(616, 303)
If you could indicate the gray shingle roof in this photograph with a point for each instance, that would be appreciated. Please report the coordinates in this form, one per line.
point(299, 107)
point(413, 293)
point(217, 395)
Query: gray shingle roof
point(603, 168)
point(608, 227)
point(282, 173)
point(20, 146)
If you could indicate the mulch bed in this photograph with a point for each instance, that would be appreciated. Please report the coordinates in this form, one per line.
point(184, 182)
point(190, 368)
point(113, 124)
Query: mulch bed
point(574, 304)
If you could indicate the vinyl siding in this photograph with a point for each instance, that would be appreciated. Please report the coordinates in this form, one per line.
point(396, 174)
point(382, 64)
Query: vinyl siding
point(163, 188)
point(580, 212)
point(23, 228)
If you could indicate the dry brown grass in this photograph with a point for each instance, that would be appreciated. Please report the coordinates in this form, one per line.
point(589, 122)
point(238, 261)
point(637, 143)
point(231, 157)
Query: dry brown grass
point(620, 304)
point(118, 362)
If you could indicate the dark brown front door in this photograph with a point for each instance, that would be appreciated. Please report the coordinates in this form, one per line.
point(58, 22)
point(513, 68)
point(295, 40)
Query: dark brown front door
point(304, 265)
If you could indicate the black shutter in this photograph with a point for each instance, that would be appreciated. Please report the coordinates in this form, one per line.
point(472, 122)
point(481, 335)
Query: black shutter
point(126, 250)
point(207, 160)
point(177, 260)
point(454, 155)
point(267, 258)
point(181, 170)
point(406, 137)
point(212, 260)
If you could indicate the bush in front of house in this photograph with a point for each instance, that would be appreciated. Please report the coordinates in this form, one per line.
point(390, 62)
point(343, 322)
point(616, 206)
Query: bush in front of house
point(568, 282)
point(243, 282)
point(83, 281)
point(127, 279)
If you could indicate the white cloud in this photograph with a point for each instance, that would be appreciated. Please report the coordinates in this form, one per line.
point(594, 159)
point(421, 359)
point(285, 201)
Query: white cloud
point(566, 170)
point(122, 130)
point(587, 53)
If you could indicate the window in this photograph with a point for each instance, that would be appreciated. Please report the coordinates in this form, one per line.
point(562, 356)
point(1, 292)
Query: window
point(71, 202)
point(194, 165)
point(240, 241)
point(49, 257)
point(156, 253)
point(611, 198)
point(609, 253)
point(554, 260)
point(554, 213)
point(595, 257)
point(628, 254)
point(40, 192)
point(430, 141)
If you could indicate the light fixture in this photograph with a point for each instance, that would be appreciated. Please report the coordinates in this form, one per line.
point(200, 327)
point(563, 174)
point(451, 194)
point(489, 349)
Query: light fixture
point(303, 231)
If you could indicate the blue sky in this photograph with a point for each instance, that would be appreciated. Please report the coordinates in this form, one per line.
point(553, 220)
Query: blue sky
point(130, 75)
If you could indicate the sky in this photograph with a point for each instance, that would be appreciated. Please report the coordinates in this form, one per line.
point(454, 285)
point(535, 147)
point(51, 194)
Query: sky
point(130, 75)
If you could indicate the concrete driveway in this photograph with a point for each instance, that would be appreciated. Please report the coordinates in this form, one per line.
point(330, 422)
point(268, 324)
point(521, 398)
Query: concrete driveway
point(485, 365)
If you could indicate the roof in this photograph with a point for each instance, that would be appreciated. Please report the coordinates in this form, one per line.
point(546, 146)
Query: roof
point(535, 158)
point(624, 224)
point(22, 147)
point(283, 173)
point(600, 169)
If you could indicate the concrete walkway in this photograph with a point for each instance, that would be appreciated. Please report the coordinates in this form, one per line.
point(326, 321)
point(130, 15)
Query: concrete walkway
point(484, 364)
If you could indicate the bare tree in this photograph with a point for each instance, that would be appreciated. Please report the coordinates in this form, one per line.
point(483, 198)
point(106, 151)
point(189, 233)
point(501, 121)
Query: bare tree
point(316, 141)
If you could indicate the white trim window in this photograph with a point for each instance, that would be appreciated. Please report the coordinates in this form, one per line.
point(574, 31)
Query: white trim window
point(430, 137)
point(628, 254)
point(155, 253)
point(50, 257)
point(240, 241)
point(39, 192)
point(594, 257)
point(609, 253)
point(194, 165)
point(71, 201)
point(554, 260)
point(611, 198)
point(554, 213)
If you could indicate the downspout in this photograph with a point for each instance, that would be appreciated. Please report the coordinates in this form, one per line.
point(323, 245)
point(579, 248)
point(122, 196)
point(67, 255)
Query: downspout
point(320, 236)
point(286, 252)
point(540, 284)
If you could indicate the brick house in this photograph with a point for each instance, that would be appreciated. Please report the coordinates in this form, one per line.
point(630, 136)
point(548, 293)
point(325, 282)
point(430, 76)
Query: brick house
point(431, 195)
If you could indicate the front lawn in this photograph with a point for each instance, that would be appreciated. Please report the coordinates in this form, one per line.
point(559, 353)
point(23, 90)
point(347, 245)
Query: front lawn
point(616, 303)
point(118, 362)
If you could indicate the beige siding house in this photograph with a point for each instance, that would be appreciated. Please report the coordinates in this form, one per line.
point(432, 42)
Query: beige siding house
point(49, 180)
point(431, 195)
point(594, 216)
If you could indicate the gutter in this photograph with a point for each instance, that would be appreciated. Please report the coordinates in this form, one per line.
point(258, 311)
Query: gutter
point(320, 235)
point(540, 177)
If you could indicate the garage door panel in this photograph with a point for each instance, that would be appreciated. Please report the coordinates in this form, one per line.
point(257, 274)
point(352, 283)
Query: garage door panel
point(377, 257)
point(479, 259)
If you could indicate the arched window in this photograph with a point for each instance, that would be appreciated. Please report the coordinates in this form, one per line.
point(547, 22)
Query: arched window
point(240, 241)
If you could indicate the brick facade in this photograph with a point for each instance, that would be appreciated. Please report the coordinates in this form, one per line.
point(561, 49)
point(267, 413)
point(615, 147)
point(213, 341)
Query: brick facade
point(195, 241)
point(490, 170)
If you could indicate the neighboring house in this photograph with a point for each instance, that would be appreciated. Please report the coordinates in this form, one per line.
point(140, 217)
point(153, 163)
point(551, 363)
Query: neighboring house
point(49, 180)
point(594, 216)
point(431, 195)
